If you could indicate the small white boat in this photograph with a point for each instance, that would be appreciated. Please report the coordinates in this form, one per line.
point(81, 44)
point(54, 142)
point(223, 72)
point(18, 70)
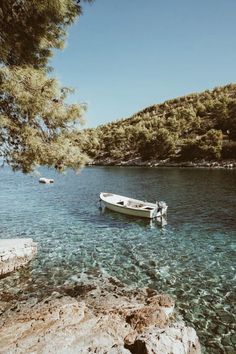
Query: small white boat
point(46, 180)
point(133, 207)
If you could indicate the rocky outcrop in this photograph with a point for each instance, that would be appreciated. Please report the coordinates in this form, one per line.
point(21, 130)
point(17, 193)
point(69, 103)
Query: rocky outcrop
point(176, 339)
point(105, 323)
point(15, 253)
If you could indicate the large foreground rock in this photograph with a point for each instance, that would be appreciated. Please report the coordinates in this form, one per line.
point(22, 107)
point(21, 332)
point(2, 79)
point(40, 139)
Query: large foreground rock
point(174, 339)
point(15, 253)
point(62, 324)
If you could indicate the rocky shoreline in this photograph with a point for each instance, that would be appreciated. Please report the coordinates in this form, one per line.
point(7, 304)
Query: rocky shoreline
point(100, 316)
point(136, 162)
point(97, 317)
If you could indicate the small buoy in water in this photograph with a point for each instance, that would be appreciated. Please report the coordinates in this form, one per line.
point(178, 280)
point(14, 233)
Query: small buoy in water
point(46, 180)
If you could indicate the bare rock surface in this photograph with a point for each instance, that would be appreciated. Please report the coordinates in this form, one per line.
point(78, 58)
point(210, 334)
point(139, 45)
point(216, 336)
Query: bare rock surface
point(174, 339)
point(15, 253)
point(110, 320)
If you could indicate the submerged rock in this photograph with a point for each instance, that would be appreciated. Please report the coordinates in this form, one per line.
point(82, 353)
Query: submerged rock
point(15, 253)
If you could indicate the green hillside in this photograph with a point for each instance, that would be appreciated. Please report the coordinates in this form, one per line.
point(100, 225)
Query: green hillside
point(193, 127)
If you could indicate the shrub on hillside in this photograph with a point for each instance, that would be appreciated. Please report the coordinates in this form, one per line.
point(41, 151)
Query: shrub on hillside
point(229, 150)
point(159, 145)
point(209, 146)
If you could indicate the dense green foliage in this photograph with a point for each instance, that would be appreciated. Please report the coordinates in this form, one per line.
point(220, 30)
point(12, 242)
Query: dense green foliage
point(197, 126)
point(31, 29)
point(36, 124)
point(35, 121)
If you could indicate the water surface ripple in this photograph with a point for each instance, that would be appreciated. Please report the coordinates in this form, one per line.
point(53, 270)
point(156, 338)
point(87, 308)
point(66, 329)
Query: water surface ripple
point(192, 257)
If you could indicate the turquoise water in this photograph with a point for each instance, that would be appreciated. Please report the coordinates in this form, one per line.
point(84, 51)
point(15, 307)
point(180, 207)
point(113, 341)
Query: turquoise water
point(192, 257)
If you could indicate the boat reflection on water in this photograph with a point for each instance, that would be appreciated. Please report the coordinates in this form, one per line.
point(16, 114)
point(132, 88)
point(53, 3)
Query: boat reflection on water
point(161, 221)
point(158, 222)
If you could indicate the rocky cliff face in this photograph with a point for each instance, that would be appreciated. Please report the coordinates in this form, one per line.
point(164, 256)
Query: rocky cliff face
point(110, 320)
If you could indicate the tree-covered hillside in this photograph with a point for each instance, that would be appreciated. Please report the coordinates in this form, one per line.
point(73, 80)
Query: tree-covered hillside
point(193, 127)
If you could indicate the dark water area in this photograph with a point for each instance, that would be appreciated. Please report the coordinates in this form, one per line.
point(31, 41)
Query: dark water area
point(192, 257)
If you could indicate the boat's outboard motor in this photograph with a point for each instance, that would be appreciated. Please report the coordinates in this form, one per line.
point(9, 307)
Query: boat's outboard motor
point(162, 207)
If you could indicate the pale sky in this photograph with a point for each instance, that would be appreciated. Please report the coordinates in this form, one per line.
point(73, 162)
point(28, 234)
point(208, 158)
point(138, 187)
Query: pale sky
point(122, 56)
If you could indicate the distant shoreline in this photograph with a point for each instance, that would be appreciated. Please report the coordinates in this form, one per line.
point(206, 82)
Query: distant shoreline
point(223, 164)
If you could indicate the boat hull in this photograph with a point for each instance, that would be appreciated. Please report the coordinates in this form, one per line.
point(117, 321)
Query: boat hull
point(46, 180)
point(150, 212)
point(128, 211)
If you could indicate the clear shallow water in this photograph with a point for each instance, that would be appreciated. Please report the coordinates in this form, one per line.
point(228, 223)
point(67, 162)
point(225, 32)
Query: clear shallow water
point(192, 257)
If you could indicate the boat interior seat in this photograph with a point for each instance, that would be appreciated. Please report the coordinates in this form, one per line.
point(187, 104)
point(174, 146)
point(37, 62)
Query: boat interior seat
point(132, 204)
point(135, 205)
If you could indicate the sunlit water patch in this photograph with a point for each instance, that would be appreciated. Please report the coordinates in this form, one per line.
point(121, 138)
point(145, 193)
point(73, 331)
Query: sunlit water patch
point(192, 257)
